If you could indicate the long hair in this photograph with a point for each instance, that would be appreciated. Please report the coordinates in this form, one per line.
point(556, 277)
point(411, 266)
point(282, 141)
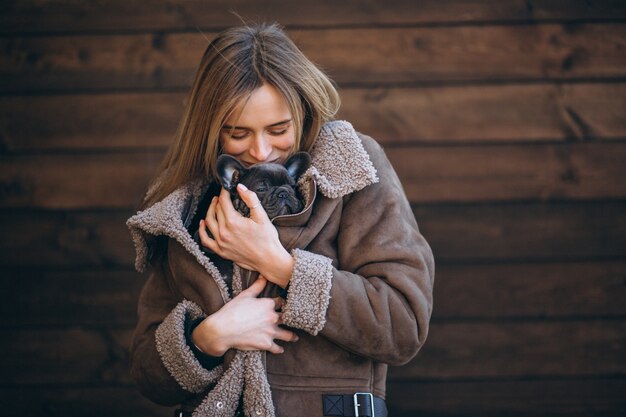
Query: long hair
point(237, 62)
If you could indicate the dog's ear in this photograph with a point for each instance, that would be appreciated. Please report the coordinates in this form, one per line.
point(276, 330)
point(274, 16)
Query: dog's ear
point(297, 164)
point(229, 171)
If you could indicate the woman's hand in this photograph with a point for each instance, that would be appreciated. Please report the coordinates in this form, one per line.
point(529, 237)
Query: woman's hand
point(251, 243)
point(245, 323)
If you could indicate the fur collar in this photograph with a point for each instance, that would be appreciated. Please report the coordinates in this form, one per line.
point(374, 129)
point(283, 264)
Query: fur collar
point(340, 166)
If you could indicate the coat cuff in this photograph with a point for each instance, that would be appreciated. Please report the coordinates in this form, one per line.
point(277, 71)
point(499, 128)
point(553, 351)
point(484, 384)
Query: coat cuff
point(309, 292)
point(207, 361)
point(176, 355)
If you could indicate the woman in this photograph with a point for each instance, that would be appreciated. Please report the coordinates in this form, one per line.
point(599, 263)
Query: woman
point(319, 302)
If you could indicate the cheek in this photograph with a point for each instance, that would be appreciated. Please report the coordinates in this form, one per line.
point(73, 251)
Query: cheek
point(285, 143)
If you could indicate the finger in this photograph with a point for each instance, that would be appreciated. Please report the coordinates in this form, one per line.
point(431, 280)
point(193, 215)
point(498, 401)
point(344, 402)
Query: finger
point(286, 335)
point(278, 303)
point(226, 204)
point(276, 349)
point(205, 239)
point(211, 220)
point(219, 213)
point(257, 213)
point(255, 289)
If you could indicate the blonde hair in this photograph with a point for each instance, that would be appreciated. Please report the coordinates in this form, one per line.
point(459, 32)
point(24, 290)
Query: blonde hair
point(237, 62)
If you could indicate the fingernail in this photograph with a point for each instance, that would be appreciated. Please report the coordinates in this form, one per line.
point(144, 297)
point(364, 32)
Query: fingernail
point(296, 339)
point(242, 187)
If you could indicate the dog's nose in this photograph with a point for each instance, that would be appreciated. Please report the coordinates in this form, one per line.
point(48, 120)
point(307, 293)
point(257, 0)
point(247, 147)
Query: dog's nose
point(283, 195)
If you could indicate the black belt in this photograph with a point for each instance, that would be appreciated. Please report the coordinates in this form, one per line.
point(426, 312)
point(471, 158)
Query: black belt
point(361, 404)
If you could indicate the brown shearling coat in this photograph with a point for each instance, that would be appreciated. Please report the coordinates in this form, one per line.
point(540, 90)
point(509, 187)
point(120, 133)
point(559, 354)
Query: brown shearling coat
point(360, 296)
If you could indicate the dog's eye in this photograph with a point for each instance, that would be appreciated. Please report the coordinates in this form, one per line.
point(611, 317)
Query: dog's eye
point(261, 189)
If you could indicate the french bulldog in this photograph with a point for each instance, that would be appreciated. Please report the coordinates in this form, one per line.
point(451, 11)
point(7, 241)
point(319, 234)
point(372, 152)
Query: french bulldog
point(273, 183)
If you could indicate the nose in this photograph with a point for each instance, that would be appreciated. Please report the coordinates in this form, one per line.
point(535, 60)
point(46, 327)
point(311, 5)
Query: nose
point(261, 148)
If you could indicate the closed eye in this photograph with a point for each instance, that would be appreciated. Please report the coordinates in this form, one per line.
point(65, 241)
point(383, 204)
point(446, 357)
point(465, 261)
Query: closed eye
point(240, 135)
point(274, 133)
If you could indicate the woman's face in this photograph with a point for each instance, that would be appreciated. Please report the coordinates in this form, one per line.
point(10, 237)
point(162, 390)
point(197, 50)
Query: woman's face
point(264, 130)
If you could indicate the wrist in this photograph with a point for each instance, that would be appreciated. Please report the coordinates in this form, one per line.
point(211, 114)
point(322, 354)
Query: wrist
point(280, 268)
point(207, 338)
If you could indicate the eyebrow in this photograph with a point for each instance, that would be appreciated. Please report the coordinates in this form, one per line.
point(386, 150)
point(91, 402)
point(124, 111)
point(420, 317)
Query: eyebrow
point(242, 127)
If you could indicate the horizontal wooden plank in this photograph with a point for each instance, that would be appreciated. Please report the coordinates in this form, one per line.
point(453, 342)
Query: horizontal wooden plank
point(525, 398)
point(58, 357)
point(564, 231)
point(511, 172)
point(380, 56)
point(486, 53)
point(65, 356)
point(435, 174)
point(35, 17)
point(41, 297)
point(86, 122)
point(517, 349)
point(60, 239)
point(522, 112)
point(79, 402)
point(544, 290)
point(394, 116)
point(88, 297)
point(528, 231)
point(68, 181)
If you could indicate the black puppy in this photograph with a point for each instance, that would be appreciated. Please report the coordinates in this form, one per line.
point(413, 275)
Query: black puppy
point(273, 183)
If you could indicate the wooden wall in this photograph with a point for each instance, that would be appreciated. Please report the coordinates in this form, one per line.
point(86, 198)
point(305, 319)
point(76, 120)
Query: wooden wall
point(504, 119)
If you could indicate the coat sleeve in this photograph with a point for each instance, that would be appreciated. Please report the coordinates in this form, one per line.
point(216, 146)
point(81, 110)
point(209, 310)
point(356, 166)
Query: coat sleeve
point(377, 302)
point(162, 364)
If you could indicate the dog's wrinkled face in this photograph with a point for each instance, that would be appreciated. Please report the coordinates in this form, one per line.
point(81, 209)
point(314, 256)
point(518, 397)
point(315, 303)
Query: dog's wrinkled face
point(274, 184)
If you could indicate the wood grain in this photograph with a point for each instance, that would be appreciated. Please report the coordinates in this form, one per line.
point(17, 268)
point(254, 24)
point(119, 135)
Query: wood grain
point(501, 113)
point(71, 297)
point(110, 122)
point(510, 172)
point(70, 181)
point(521, 113)
point(525, 231)
point(66, 239)
point(34, 17)
point(437, 174)
point(79, 401)
point(530, 291)
point(58, 357)
point(381, 56)
point(520, 398)
point(518, 349)
point(469, 233)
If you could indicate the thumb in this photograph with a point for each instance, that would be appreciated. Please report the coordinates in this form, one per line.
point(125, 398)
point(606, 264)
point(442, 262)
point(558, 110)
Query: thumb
point(255, 289)
point(257, 212)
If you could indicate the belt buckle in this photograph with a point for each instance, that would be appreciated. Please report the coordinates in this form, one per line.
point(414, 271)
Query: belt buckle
point(356, 403)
